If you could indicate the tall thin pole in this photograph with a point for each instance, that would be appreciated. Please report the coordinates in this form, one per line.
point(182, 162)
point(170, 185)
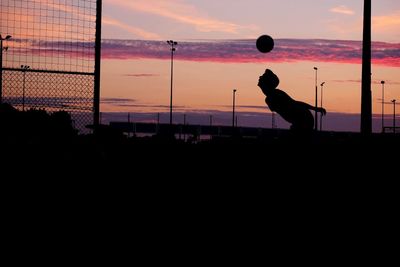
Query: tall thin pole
point(172, 44)
point(1, 69)
point(394, 115)
point(23, 91)
point(97, 65)
point(316, 99)
point(172, 77)
point(1, 64)
point(158, 123)
point(322, 96)
point(233, 108)
point(383, 106)
point(184, 127)
point(129, 124)
point(24, 69)
point(366, 101)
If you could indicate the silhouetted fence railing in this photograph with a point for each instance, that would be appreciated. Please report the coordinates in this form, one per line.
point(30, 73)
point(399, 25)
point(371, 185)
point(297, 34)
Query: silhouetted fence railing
point(52, 91)
point(391, 130)
point(195, 130)
point(50, 55)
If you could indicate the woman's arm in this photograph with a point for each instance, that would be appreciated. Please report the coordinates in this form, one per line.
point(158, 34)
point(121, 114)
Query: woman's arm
point(307, 106)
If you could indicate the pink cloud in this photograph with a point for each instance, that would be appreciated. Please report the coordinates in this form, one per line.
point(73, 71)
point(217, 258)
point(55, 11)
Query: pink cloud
point(183, 13)
point(244, 51)
point(373, 82)
point(226, 51)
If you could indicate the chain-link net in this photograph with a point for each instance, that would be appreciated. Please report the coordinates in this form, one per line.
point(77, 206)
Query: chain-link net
point(52, 92)
point(49, 34)
point(56, 39)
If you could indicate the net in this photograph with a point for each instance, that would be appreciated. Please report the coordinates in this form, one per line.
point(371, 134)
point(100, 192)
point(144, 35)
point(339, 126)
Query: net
point(56, 39)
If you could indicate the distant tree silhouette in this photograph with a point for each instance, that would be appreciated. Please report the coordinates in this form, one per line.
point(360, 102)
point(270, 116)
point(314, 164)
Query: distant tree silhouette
point(62, 124)
point(35, 125)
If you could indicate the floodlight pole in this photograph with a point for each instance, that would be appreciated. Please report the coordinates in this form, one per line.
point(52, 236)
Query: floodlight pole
point(233, 108)
point(316, 99)
point(394, 115)
point(24, 69)
point(172, 43)
point(321, 115)
point(1, 64)
point(383, 106)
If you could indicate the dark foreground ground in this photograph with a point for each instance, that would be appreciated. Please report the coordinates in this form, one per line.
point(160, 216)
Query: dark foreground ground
point(38, 142)
point(157, 185)
point(60, 187)
point(117, 153)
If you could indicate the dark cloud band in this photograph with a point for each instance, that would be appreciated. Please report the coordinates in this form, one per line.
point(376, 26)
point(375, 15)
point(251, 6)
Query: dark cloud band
point(244, 51)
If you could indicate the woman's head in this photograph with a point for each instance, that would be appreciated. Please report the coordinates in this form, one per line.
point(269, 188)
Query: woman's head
point(268, 81)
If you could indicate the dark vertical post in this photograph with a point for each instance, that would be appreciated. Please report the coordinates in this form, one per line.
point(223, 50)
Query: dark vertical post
point(24, 68)
point(172, 43)
point(366, 101)
point(184, 127)
point(1, 69)
point(172, 77)
point(129, 125)
point(316, 99)
point(211, 120)
point(23, 89)
point(158, 123)
point(322, 96)
point(383, 106)
point(233, 109)
point(97, 63)
point(1, 64)
point(394, 115)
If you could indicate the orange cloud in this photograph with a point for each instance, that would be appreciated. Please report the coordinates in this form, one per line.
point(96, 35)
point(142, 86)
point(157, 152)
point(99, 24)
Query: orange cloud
point(50, 26)
point(182, 13)
point(71, 9)
point(388, 22)
point(134, 30)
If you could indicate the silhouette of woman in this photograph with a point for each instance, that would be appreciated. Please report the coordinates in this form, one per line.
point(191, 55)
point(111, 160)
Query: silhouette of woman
point(295, 112)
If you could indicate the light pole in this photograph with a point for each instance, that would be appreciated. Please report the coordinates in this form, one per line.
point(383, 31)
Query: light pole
point(322, 95)
point(383, 105)
point(233, 108)
point(1, 64)
point(24, 69)
point(394, 115)
point(316, 99)
point(173, 49)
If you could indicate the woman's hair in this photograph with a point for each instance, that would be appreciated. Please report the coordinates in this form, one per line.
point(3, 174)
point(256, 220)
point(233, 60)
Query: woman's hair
point(270, 79)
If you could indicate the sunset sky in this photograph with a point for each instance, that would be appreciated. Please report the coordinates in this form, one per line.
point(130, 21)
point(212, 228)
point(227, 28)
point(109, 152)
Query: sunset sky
point(216, 54)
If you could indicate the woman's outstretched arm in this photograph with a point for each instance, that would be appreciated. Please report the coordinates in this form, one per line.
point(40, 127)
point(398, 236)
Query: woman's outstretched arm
point(307, 106)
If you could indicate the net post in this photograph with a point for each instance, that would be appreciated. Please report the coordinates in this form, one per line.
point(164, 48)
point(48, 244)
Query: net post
point(96, 98)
